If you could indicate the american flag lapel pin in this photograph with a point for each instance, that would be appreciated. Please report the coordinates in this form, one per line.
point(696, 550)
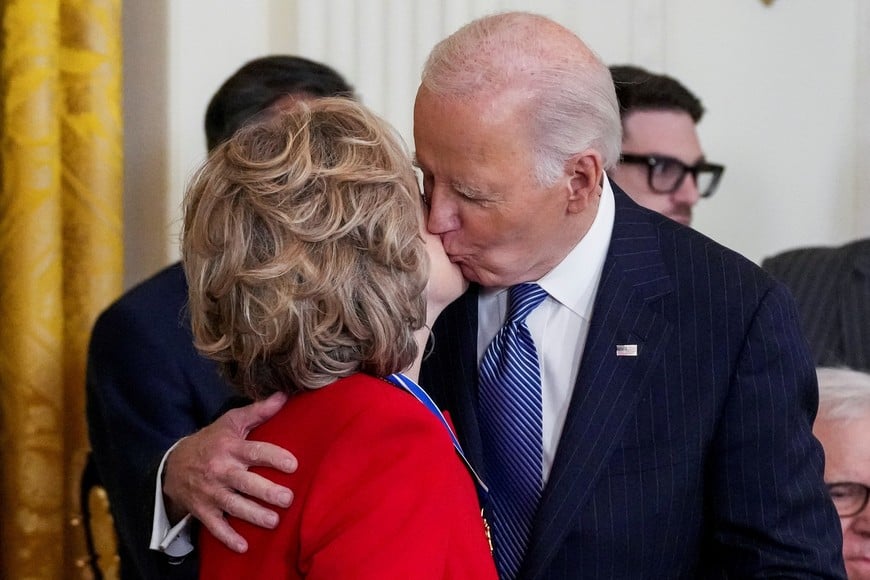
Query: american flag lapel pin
point(626, 350)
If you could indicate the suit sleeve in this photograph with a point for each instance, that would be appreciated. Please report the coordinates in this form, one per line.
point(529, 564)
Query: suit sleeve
point(773, 515)
point(139, 403)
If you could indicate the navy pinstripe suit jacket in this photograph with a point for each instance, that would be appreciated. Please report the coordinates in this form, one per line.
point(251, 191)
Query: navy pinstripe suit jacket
point(147, 387)
point(694, 459)
point(832, 290)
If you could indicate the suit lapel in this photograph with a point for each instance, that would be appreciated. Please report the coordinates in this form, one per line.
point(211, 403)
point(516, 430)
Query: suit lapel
point(608, 385)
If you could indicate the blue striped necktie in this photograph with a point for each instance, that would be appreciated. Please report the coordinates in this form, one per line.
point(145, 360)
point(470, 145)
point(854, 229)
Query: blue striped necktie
point(510, 422)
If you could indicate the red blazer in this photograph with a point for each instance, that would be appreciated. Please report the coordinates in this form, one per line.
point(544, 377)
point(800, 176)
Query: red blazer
point(379, 493)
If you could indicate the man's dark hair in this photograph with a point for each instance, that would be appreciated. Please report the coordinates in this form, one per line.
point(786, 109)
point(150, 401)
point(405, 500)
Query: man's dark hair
point(261, 83)
point(638, 89)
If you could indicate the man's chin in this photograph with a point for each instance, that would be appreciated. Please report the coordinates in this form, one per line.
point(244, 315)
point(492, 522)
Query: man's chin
point(469, 273)
point(473, 272)
point(479, 276)
point(685, 219)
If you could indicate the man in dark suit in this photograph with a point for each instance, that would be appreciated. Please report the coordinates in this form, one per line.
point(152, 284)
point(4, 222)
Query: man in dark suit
point(685, 447)
point(832, 290)
point(675, 391)
point(146, 384)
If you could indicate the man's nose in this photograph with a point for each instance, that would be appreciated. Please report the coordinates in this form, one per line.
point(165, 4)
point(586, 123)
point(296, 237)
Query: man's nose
point(861, 522)
point(688, 193)
point(443, 216)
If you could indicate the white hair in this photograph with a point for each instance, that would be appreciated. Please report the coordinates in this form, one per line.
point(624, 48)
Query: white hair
point(843, 393)
point(573, 103)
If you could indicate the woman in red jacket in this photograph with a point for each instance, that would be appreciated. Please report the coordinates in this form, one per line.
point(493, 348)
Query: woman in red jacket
point(308, 274)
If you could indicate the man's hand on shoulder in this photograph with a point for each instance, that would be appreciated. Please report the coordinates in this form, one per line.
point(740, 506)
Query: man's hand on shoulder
point(207, 474)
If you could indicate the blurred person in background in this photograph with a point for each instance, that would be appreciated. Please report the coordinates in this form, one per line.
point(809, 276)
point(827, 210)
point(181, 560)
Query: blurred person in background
point(843, 427)
point(662, 167)
point(146, 384)
point(832, 288)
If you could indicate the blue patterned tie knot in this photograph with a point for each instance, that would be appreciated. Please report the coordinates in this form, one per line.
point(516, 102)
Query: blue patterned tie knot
point(511, 428)
point(522, 299)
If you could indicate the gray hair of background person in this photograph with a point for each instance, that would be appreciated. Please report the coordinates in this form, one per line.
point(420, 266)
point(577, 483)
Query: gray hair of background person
point(573, 103)
point(261, 83)
point(638, 89)
point(843, 393)
point(302, 250)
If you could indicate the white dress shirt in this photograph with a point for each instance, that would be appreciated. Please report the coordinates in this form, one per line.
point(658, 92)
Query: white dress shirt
point(558, 326)
point(174, 540)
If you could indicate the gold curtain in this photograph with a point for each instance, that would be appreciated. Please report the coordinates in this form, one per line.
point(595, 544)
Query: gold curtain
point(60, 262)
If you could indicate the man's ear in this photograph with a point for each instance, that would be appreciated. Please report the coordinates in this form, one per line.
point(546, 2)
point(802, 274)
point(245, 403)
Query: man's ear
point(586, 178)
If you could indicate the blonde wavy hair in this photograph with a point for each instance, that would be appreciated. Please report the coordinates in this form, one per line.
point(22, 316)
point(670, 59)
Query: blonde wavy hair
point(302, 250)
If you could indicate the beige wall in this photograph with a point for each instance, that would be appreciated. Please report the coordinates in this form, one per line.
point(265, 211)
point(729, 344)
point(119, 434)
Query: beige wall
point(781, 84)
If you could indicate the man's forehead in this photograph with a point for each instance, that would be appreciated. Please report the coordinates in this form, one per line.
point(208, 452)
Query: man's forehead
point(652, 122)
point(663, 132)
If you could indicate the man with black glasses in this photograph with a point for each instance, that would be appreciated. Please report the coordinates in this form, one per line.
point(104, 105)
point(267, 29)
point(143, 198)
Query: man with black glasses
point(843, 427)
point(662, 165)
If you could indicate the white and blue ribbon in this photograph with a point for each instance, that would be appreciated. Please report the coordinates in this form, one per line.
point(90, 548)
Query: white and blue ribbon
point(418, 393)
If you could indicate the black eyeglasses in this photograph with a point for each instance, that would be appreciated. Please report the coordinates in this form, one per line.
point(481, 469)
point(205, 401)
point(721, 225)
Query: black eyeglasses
point(666, 174)
point(849, 497)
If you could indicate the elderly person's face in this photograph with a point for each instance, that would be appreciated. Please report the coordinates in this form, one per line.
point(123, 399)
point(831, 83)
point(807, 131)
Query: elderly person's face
point(847, 459)
point(496, 221)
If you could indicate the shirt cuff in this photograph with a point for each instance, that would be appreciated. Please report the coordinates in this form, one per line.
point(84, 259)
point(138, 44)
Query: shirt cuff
point(174, 540)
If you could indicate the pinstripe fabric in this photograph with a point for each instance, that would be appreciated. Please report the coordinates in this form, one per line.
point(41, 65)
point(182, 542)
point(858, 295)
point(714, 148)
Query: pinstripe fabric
point(694, 459)
point(511, 426)
point(832, 290)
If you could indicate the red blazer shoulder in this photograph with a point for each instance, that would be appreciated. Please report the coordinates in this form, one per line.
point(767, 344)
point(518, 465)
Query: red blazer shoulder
point(379, 493)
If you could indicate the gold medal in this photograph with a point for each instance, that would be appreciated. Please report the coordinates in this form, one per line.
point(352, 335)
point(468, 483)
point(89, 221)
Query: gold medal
point(486, 530)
